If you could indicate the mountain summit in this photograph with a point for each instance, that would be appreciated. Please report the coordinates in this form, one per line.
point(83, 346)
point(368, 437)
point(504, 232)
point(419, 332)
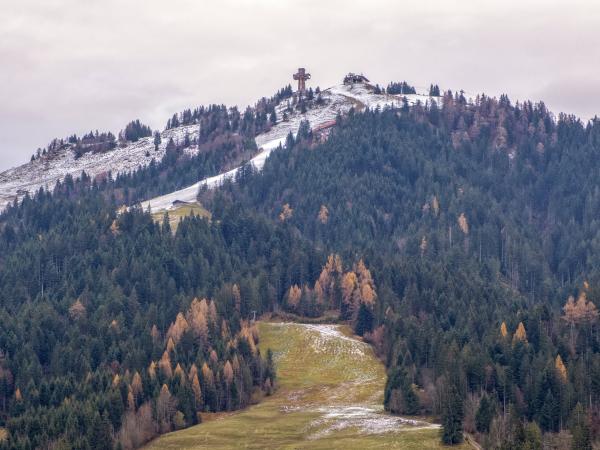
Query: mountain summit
point(65, 158)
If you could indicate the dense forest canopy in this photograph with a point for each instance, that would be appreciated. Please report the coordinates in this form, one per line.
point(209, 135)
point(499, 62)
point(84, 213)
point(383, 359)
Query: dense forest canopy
point(461, 239)
point(480, 224)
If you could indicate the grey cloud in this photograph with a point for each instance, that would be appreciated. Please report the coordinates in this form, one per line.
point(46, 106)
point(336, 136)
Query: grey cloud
point(74, 65)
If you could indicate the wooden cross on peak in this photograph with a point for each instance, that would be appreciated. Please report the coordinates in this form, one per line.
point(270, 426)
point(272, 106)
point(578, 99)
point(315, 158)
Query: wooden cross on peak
point(301, 77)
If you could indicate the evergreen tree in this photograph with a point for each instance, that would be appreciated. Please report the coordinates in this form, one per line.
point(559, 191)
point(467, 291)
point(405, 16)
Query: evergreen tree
point(452, 417)
point(364, 321)
point(485, 414)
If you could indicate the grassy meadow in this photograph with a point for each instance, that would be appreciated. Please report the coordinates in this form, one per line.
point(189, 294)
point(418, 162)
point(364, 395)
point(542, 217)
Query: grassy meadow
point(329, 396)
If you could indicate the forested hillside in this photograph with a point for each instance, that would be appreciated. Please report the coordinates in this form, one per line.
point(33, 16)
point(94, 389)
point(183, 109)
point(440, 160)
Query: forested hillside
point(460, 239)
point(106, 326)
point(478, 222)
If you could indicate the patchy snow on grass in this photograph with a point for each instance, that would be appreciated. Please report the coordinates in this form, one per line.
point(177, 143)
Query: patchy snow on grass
point(367, 420)
point(326, 397)
point(326, 337)
point(334, 406)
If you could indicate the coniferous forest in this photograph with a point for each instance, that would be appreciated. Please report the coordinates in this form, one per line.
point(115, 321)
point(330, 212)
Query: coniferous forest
point(461, 240)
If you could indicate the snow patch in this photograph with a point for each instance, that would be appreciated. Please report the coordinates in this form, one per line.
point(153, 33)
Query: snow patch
point(368, 420)
point(47, 170)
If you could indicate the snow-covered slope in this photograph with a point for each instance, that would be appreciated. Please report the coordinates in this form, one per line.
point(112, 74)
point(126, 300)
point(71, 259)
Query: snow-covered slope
point(337, 99)
point(47, 170)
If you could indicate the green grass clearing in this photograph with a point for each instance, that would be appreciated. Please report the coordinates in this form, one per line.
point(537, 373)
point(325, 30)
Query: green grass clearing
point(181, 211)
point(330, 395)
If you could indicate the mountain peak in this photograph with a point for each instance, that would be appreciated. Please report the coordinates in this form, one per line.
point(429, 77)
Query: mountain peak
point(355, 91)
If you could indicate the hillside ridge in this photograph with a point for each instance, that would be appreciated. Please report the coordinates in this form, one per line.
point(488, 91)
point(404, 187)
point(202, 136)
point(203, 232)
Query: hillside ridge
point(46, 170)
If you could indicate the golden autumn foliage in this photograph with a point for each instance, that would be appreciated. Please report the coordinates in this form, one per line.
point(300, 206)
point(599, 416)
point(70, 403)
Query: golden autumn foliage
point(165, 408)
point(170, 345)
point(463, 224)
point(366, 283)
point(579, 313)
point(357, 287)
point(570, 310)
point(561, 370)
point(197, 318)
point(116, 380)
point(177, 328)
point(155, 334)
point(364, 274)
point(228, 373)
point(500, 138)
point(136, 384)
point(582, 311)
point(212, 312)
point(152, 370)
point(18, 395)
point(294, 295)
point(196, 389)
point(179, 372)
point(236, 365)
point(165, 365)
point(207, 375)
point(323, 215)
point(247, 334)
point(588, 309)
point(193, 371)
point(77, 310)
point(286, 212)
point(520, 333)
point(503, 330)
point(367, 294)
point(319, 294)
point(225, 333)
point(329, 279)
point(349, 284)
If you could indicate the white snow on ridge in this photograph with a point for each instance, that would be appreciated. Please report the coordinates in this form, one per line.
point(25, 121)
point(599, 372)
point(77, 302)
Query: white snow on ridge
point(47, 170)
point(337, 99)
point(189, 194)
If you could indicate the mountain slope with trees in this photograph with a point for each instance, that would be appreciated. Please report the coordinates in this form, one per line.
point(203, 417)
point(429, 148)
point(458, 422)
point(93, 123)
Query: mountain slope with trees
point(479, 223)
point(460, 239)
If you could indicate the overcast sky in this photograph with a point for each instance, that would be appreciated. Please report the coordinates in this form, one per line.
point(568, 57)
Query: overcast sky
point(69, 66)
